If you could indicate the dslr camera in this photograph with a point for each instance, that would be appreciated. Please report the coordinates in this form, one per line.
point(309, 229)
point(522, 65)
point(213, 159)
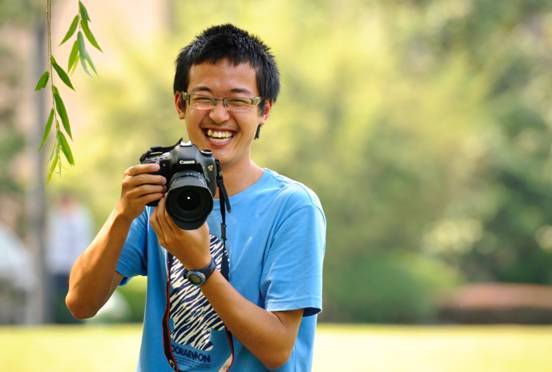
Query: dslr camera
point(192, 176)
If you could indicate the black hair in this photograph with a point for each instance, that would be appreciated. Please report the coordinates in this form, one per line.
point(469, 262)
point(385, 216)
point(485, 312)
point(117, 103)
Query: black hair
point(236, 45)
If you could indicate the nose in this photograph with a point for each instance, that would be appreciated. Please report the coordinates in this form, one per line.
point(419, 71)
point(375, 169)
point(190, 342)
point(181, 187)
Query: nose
point(219, 113)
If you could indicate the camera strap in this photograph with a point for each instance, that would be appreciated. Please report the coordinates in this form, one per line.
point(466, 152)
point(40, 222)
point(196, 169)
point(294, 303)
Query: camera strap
point(225, 264)
point(224, 202)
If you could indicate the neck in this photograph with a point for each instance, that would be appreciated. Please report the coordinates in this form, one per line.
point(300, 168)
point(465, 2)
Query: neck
point(237, 177)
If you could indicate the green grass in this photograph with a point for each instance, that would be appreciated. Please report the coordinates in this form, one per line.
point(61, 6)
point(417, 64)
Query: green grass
point(434, 349)
point(338, 348)
point(69, 348)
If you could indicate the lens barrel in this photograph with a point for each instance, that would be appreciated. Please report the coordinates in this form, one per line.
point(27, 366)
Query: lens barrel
point(189, 200)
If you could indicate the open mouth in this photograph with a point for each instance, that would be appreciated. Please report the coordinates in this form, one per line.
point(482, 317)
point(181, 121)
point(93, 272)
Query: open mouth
point(218, 137)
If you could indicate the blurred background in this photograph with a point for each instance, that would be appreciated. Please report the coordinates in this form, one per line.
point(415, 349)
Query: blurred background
point(424, 126)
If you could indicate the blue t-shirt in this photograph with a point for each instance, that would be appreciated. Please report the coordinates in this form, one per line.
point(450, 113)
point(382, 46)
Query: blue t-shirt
point(275, 247)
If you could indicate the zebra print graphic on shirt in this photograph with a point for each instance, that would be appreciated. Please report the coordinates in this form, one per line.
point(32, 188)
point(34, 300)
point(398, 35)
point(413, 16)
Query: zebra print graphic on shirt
point(191, 316)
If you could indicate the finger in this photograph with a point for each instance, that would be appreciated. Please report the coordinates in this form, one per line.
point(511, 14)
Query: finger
point(146, 199)
point(144, 190)
point(143, 179)
point(142, 168)
point(163, 216)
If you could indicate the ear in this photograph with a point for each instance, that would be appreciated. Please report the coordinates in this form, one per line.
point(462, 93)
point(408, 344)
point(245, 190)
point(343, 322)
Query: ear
point(180, 105)
point(266, 111)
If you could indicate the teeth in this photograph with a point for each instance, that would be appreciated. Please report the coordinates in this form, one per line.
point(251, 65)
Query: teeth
point(218, 133)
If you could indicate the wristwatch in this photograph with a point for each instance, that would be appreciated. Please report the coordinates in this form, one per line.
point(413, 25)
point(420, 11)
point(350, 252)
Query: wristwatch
point(199, 277)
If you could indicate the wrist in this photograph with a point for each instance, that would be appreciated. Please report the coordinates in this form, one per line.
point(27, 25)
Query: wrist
point(200, 264)
point(198, 277)
point(119, 217)
point(124, 211)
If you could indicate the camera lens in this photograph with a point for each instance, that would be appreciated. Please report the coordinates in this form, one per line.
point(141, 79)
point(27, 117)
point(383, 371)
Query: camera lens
point(189, 200)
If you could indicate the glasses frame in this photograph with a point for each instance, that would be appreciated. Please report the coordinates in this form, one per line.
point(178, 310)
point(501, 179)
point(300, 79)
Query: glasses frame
point(253, 101)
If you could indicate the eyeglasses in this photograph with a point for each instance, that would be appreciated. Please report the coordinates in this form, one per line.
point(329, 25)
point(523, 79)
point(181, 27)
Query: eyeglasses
point(234, 104)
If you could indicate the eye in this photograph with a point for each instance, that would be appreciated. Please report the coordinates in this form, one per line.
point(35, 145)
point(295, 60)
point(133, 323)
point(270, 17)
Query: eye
point(202, 100)
point(238, 102)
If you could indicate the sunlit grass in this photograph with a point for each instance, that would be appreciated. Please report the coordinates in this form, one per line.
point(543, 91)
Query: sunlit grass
point(338, 348)
point(433, 348)
point(69, 348)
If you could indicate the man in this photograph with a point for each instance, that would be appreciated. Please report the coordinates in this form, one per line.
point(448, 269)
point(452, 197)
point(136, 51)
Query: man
point(259, 315)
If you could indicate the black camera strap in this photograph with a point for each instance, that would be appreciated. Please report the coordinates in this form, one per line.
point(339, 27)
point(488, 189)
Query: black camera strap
point(224, 202)
point(225, 264)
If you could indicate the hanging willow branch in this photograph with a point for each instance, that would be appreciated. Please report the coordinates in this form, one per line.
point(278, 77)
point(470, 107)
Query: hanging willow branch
point(58, 111)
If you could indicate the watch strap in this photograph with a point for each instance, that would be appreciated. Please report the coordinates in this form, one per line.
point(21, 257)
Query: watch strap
point(203, 273)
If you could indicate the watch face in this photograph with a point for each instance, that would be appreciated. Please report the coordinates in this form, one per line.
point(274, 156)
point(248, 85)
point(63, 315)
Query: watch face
point(196, 278)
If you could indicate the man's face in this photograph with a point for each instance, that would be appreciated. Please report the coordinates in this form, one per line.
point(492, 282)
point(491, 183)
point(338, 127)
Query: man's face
point(228, 134)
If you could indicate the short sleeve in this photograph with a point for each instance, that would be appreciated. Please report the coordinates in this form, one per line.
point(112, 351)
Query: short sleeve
point(291, 278)
point(132, 260)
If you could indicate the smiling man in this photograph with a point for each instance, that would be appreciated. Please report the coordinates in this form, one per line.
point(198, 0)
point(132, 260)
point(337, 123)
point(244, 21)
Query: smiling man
point(255, 308)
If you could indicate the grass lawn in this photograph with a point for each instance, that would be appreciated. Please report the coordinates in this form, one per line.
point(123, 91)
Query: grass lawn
point(434, 348)
point(338, 348)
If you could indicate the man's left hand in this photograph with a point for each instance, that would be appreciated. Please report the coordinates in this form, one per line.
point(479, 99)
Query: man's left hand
point(191, 247)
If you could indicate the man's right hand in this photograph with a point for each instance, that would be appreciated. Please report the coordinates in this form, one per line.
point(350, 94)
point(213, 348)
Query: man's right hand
point(94, 275)
point(139, 187)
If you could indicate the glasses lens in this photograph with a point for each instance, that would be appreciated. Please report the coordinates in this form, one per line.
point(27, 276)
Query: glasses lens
point(238, 104)
point(201, 102)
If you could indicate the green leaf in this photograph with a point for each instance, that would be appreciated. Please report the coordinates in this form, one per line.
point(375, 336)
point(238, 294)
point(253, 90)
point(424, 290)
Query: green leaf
point(47, 128)
point(91, 64)
point(73, 57)
point(84, 56)
point(42, 81)
point(53, 162)
point(71, 30)
point(65, 148)
point(61, 73)
point(60, 108)
point(89, 35)
point(83, 12)
point(82, 52)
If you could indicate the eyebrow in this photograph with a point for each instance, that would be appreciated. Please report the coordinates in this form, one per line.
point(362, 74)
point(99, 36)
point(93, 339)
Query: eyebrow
point(203, 88)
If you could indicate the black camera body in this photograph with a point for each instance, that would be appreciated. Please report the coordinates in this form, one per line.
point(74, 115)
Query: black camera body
point(191, 176)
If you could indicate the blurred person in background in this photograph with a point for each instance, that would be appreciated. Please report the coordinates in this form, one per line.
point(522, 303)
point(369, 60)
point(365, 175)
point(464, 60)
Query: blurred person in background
point(69, 233)
point(261, 312)
point(17, 279)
